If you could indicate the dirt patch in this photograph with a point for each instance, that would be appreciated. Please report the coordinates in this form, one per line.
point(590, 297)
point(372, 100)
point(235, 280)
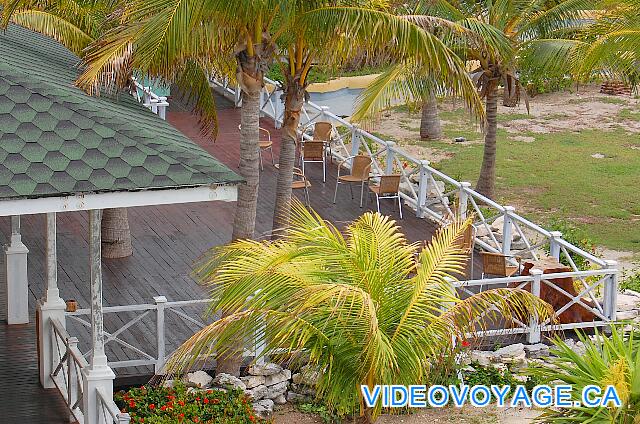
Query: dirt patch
point(466, 415)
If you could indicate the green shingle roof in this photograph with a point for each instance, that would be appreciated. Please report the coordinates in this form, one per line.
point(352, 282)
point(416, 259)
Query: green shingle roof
point(55, 140)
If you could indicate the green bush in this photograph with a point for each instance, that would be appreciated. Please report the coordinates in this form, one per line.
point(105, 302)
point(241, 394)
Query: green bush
point(630, 280)
point(578, 238)
point(607, 361)
point(161, 405)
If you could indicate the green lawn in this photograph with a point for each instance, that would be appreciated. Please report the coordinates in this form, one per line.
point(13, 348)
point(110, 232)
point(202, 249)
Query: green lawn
point(556, 177)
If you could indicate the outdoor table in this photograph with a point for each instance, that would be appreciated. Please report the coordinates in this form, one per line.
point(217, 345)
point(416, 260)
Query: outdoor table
point(550, 265)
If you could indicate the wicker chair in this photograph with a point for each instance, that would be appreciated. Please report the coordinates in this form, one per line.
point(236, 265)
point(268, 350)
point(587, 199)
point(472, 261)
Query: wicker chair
point(300, 182)
point(387, 188)
point(264, 143)
point(360, 167)
point(496, 264)
point(313, 152)
point(466, 243)
point(323, 131)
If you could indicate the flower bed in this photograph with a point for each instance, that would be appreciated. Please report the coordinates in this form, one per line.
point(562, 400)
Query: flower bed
point(179, 405)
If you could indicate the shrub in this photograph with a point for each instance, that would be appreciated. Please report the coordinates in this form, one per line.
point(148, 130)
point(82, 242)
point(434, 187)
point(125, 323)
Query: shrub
point(578, 238)
point(630, 280)
point(607, 361)
point(160, 405)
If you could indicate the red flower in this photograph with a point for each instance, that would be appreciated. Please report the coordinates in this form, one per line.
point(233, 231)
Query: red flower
point(252, 418)
point(163, 408)
point(198, 399)
point(206, 400)
point(170, 397)
point(181, 402)
point(465, 343)
point(141, 420)
point(196, 419)
point(132, 404)
point(152, 406)
point(216, 401)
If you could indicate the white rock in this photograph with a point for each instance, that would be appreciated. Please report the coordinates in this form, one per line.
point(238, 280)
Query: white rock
point(277, 390)
point(199, 379)
point(537, 350)
point(263, 408)
point(252, 381)
point(270, 380)
point(228, 381)
point(597, 156)
point(627, 302)
point(432, 190)
point(280, 400)
point(482, 231)
point(625, 315)
point(482, 357)
point(257, 393)
point(266, 369)
point(497, 226)
point(511, 354)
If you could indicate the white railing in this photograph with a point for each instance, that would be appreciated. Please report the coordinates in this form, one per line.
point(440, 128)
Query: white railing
point(150, 100)
point(68, 365)
point(137, 315)
point(428, 191)
point(595, 295)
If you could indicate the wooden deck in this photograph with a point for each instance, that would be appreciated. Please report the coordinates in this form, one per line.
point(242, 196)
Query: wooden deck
point(166, 241)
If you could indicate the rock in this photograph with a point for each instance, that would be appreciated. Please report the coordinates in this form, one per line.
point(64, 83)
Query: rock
point(626, 315)
point(497, 227)
point(538, 350)
point(482, 231)
point(252, 381)
point(168, 384)
point(270, 380)
point(598, 156)
point(257, 393)
point(433, 192)
point(263, 408)
point(265, 370)
point(228, 381)
point(280, 400)
point(482, 357)
point(577, 347)
point(627, 302)
point(277, 390)
point(294, 397)
point(511, 354)
point(522, 379)
point(199, 379)
point(303, 390)
point(518, 245)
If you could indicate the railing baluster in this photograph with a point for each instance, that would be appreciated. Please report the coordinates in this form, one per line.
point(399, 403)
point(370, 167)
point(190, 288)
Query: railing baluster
point(610, 295)
point(507, 230)
point(390, 157)
point(554, 246)
point(534, 326)
point(160, 302)
point(463, 199)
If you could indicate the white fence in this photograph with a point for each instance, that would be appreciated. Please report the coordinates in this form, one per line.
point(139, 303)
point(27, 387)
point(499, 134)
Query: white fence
point(150, 100)
point(68, 365)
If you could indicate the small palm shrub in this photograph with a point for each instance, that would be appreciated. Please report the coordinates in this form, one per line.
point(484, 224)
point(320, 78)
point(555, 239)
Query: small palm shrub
point(613, 360)
point(360, 305)
point(163, 405)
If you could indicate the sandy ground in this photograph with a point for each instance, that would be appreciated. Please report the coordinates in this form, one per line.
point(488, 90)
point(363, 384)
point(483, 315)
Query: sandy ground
point(467, 415)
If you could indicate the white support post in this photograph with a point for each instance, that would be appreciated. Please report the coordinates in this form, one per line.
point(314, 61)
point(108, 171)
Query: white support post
point(324, 113)
point(554, 246)
point(98, 375)
point(610, 295)
point(507, 227)
point(463, 199)
point(161, 303)
point(355, 141)
point(423, 188)
point(162, 108)
point(15, 256)
point(72, 378)
point(50, 307)
point(390, 157)
point(534, 325)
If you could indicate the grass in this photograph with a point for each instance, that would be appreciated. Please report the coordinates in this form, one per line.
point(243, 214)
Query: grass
point(555, 177)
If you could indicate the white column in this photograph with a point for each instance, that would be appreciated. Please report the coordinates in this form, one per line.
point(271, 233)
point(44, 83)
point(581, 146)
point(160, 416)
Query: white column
point(390, 157)
point(15, 256)
point(611, 292)
point(355, 141)
point(50, 307)
point(554, 246)
point(161, 303)
point(507, 228)
point(423, 188)
point(534, 325)
point(463, 199)
point(98, 375)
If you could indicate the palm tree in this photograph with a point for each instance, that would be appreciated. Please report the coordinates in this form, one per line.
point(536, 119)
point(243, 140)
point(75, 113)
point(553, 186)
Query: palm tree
point(430, 128)
point(305, 42)
point(75, 24)
point(493, 36)
point(357, 304)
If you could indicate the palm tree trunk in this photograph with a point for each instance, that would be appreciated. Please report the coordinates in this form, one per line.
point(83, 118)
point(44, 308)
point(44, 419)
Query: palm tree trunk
point(294, 98)
point(116, 236)
point(487, 180)
point(430, 128)
point(245, 218)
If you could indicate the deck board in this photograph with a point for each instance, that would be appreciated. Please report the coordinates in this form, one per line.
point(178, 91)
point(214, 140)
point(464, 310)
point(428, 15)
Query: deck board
point(166, 242)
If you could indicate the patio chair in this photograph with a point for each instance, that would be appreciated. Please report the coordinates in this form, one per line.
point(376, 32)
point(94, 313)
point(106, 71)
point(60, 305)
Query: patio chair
point(466, 243)
point(300, 182)
point(313, 152)
point(496, 264)
point(387, 188)
point(360, 167)
point(323, 131)
point(264, 143)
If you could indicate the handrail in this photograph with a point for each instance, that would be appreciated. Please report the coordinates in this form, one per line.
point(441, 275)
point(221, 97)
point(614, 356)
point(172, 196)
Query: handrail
point(424, 197)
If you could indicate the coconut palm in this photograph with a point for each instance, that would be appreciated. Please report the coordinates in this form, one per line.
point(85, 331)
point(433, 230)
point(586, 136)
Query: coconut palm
point(430, 128)
point(305, 43)
point(358, 305)
point(491, 35)
point(75, 24)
